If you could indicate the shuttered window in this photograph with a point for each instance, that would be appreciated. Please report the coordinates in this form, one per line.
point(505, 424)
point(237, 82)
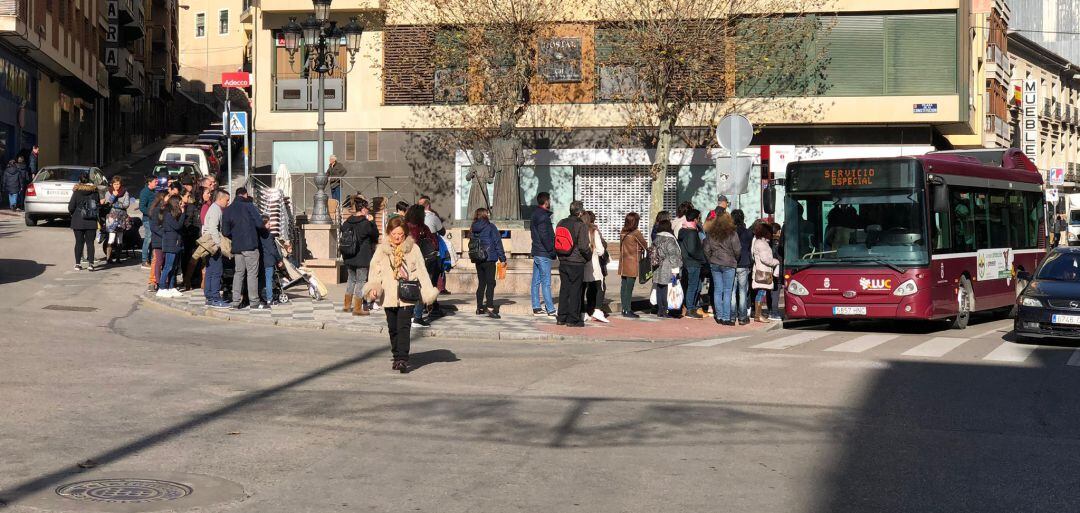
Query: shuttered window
point(920, 54)
point(856, 56)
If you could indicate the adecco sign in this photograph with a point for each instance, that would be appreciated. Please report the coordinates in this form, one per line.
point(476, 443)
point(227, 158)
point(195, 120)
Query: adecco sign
point(238, 79)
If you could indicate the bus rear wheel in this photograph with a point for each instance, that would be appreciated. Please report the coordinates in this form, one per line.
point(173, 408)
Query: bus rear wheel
point(963, 305)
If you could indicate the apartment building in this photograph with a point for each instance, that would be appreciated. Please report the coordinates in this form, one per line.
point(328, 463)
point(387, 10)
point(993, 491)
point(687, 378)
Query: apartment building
point(898, 84)
point(212, 41)
point(988, 100)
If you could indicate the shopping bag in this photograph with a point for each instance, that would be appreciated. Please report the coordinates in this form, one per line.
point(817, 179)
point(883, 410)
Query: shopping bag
point(652, 297)
point(500, 270)
point(674, 295)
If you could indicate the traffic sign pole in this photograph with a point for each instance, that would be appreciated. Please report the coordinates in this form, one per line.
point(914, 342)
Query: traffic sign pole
point(228, 141)
point(734, 133)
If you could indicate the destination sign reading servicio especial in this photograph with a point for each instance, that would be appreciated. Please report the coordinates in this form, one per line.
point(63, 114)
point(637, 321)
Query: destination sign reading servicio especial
point(851, 174)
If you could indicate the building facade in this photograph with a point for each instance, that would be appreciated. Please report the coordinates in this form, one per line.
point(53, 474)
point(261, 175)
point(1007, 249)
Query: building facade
point(1051, 24)
point(898, 84)
point(991, 70)
point(212, 41)
point(1046, 108)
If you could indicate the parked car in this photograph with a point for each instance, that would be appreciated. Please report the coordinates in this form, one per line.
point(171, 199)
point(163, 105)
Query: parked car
point(48, 194)
point(187, 154)
point(1049, 306)
point(176, 169)
point(211, 157)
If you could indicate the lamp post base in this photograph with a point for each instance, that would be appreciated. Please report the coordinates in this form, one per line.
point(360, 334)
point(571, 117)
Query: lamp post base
point(320, 240)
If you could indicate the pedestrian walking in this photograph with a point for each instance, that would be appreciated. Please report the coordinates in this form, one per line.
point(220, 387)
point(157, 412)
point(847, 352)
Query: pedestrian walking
point(117, 221)
point(722, 250)
point(486, 252)
point(593, 280)
point(171, 220)
point(397, 273)
point(632, 247)
point(693, 255)
point(215, 262)
point(740, 297)
point(543, 253)
point(271, 259)
point(359, 237)
point(27, 176)
point(241, 222)
point(146, 197)
point(13, 185)
point(765, 269)
point(83, 207)
point(573, 250)
point(669, 256)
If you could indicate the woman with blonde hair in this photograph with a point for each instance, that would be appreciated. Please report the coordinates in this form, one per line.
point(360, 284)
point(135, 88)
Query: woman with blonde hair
point(399, 280)
point(722, 249)
point(592, 284)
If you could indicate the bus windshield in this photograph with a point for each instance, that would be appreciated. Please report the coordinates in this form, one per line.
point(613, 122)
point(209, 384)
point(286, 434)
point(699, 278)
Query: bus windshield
point(852, 226)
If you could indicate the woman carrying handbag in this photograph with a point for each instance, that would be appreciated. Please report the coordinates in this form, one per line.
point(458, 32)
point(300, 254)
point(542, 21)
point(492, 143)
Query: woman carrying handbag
point(631, 255)
point(764, 268)
point(399, 280)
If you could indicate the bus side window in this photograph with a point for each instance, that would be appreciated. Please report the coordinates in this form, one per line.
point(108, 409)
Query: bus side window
point(963, 220)
point(941, 232)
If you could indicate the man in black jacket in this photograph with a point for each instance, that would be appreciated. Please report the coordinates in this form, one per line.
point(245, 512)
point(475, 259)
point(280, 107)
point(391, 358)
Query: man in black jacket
point(543, 252)
point(740, 299)
point(693, 256)
point(241, 223)
point(572, 268)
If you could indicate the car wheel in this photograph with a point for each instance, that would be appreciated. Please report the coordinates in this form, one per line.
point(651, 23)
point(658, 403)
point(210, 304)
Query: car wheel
point(29, 219)
point(963, 305)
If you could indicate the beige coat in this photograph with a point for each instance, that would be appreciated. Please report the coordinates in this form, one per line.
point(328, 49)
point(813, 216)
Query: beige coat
point(592, 271)
point(763, 262)
point(383, 281)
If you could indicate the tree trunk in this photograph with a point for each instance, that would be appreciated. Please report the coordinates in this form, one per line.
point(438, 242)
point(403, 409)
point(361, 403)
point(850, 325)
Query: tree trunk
point(660, 167)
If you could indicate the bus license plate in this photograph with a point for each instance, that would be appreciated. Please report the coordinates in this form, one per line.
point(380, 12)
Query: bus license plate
point(849, 310)
point(1065, 319)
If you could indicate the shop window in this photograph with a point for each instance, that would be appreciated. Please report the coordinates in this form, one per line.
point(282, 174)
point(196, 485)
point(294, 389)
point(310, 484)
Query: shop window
point(296, 89)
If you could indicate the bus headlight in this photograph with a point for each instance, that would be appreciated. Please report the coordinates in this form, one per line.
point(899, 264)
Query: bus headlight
point(906, 289)
point(797, 288)
point(1030, 301)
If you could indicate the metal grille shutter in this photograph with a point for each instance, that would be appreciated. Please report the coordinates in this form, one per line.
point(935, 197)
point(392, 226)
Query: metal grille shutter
point(856, 54)
point(408, 70)
point(920, 54)
point(611, 192)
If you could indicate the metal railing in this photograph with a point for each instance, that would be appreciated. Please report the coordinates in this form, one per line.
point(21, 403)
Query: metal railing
point(394, 189)
point(996, 126)
point(1001, 60)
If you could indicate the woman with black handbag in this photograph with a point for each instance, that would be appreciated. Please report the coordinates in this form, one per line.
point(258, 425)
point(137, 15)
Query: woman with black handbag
point(765, 265)
point(399, 280)
point(632, 246)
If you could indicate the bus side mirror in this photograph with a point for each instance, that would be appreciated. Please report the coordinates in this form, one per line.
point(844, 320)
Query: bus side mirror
point(940, 198)
point(768, 199)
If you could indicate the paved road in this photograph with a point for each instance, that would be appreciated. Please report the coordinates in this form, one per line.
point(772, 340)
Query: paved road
point(807, 420)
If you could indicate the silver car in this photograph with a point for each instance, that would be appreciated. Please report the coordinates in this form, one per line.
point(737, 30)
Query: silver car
point(48, 194)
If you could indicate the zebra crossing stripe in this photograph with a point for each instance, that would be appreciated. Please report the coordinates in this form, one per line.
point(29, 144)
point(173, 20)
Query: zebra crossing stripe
point(1074, 360)
point(711, 342)
point(863, 343)
point(935, 347)
point(1010, 352)
point(792, 340)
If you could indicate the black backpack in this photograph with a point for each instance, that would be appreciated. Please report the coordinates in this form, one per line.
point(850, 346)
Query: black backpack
point(348, 244)
point(477, 252)
point(430, 250)
point(89, 209)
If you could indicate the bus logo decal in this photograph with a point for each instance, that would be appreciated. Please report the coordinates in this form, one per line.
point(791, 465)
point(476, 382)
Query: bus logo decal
point(875, 284)
point(827, 283)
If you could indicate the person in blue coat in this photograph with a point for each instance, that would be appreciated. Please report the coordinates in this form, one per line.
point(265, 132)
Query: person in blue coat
point(490, 239)
point(170, 222)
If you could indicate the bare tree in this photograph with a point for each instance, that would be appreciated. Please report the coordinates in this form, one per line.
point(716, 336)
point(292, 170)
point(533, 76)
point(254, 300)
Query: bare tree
point(673, 64)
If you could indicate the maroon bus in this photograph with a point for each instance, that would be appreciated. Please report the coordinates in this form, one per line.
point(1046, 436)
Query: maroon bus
point(932, 237)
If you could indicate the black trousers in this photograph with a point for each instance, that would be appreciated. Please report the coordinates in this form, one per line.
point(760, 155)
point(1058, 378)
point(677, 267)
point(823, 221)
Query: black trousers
point(485, 284)
point(570, 283)
point(661, 301)
point(399, 324)
point(84, 238)
point(591, 296)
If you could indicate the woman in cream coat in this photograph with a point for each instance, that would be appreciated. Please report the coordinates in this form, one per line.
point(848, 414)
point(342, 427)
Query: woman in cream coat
point(398, 257)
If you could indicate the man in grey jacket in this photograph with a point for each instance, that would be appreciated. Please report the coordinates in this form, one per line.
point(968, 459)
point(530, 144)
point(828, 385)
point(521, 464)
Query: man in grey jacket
point(214, 265)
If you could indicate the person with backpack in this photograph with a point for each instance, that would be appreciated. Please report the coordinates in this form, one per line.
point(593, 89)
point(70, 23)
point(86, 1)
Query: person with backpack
point(428, 245)
point(722, 204)
point(83, 207)
point(632, 248)
point(693, 255)
point(485, 250)
point(543, 252)
point(359, 236)
point(722, 250)
point(573, 250)
point(669, 262)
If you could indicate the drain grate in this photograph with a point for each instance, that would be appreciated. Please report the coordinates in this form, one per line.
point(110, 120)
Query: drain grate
point(124, 491)
point(65, 308)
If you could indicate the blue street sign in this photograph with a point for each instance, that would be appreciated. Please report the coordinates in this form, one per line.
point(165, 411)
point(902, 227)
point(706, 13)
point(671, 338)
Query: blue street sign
point(238, 125)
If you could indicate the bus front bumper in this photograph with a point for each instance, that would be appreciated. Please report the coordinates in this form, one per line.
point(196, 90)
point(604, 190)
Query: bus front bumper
point(906, 308)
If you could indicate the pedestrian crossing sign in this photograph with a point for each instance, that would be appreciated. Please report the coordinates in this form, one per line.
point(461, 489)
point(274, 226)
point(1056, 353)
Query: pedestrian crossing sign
point(238, 122)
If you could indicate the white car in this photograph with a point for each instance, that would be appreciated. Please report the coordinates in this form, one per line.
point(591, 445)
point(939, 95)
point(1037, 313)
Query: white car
point(48, 194)
point(186, 154)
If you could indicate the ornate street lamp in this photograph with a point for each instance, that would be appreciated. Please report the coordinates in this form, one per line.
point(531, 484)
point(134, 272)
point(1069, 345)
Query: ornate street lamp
point(321, 39)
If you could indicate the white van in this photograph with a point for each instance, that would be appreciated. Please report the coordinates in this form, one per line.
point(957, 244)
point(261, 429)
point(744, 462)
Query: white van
point(185, 154)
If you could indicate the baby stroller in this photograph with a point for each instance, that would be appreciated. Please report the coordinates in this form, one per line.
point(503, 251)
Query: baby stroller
point(290, 276)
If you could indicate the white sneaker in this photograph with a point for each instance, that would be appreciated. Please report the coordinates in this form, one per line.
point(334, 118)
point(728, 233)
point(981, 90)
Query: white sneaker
point(163, 293)
point(585, 318)
point(598, 315)
point(175, 293)
point(375, 307)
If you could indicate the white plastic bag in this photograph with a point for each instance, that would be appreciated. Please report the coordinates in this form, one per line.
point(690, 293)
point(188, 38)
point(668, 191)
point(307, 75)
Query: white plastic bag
point(674, 295)
point(652, 297)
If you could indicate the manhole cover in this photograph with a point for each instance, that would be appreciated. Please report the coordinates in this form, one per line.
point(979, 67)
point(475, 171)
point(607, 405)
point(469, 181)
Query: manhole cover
point(124, 490)
point(65, 308)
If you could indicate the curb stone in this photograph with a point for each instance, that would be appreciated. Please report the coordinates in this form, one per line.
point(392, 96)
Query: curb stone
point(293, 323)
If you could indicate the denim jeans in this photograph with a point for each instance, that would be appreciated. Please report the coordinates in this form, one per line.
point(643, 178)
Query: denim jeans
point(693, 288)
point(13, 200)
point(355, 280)
point(541, 281)
point(268, 286)
point(418, 312)
point(212, 284)
point(740, 304)
point(167, 277)
point(723, 283)
point(145, 232)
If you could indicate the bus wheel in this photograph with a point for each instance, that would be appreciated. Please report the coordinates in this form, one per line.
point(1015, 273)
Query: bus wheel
point(963, 304)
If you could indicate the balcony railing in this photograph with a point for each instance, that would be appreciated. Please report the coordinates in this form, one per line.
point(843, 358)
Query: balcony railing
point(997, 127)
point(1046, 108)
point(998, 65)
